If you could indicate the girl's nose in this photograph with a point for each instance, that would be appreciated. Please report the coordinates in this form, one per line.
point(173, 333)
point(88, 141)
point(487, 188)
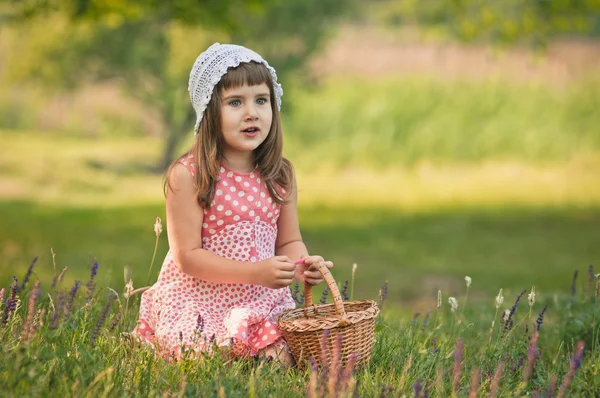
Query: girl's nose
point(251, 113)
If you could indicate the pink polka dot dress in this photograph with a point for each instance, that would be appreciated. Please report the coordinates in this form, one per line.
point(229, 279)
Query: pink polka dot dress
point(179, 310)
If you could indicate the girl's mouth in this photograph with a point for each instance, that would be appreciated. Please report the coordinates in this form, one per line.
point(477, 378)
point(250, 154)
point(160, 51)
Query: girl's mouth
point(251, 131)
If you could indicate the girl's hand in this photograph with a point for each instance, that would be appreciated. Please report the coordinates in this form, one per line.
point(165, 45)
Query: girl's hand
point(305, 274)
point(275, 272)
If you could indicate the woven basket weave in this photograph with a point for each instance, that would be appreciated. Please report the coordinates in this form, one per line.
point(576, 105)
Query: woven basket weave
point(305, 328)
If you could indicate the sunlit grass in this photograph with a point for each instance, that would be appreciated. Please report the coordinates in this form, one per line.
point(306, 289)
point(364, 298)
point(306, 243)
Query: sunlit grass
point(72, 171)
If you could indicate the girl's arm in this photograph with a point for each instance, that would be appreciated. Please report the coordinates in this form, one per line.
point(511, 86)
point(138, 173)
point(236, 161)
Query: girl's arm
point(184, 228)
point(289, 241)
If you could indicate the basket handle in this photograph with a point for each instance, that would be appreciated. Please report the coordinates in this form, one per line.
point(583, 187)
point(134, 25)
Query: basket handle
point(335, 293)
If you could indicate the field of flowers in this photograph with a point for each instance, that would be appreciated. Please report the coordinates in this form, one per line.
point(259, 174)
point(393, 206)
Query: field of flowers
point(67, 340)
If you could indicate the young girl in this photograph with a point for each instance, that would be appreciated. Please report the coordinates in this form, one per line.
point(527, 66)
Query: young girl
point(231, 206)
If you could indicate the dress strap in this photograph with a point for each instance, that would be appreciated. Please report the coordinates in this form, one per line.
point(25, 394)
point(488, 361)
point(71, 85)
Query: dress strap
point(188, 162)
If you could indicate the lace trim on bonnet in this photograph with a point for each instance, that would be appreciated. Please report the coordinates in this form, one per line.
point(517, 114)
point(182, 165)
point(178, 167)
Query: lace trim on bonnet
point(209, 68)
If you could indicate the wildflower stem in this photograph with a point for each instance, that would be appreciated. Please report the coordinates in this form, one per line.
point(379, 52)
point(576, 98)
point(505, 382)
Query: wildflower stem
point(462, 310)
point(492, 327)
point(452, 329)
point(153, 257)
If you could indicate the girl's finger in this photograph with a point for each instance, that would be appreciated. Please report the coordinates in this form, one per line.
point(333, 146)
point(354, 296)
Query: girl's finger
point(285, 275)
point(286, 282)
point(313, 259)
point(313, 274)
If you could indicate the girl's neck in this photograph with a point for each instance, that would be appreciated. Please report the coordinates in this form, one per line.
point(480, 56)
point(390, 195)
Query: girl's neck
point(244, 164)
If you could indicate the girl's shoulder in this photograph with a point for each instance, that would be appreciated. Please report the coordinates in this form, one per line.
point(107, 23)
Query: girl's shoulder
point(181, 173)
point(188, 162)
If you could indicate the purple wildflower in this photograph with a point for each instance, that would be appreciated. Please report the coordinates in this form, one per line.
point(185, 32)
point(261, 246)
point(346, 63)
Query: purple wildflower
point(345, 291)
point(575, 364)
point(551, 386)
point(540, 318)
point(324, 349)
point(531, 357)
point(29, 327)
point(297, 295)
point(518, 365)
point(28, 273)
point(11, 302)
point(91, 284)
point(200, 324)
point(94, 270)
point(346, 373)
point(115, 321)
point(324, 295)
point(335, 367)
point(311, 390)
point(425, 320)
point(574, 283)
point(509, 322)
point(71, 299)
point(415, 317)
point(418, 388)
point(60, 302)
point(58, 278)
point(434, 346)
point(384, 290)
point(386, 391)
point(475, 380)
point(101, 319)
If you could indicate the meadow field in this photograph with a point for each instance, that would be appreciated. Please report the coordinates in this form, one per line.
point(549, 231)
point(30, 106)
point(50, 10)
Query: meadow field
point(418, 182)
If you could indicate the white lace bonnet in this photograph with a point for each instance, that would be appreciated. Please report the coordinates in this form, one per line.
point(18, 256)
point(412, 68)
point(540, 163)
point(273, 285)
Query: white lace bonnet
point(209, 68)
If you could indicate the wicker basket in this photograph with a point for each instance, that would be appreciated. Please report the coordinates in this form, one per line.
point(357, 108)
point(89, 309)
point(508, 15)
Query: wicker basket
point(305, 328)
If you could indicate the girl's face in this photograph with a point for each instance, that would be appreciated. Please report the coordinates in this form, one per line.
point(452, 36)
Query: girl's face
point(246, 117)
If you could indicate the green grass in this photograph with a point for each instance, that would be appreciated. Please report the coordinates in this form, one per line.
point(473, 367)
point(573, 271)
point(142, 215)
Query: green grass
point(418, 253)
point(77, 350)
point(402, 121)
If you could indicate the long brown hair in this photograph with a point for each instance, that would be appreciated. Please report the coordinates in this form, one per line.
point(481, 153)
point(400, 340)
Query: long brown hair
point(207, 149)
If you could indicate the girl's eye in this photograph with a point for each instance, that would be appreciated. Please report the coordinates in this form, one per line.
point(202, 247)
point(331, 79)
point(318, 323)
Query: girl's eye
point(261, 101)
point(235, 102)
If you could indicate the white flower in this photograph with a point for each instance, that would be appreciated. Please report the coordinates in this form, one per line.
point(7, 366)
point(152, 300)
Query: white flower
point(505, 315)
point(354, 268)
point(439, 301)
point(468, 281)
point(127, 273)
point(499, 299)
point(531, 296)
point(453, 304)
point(157, 227)
point(128, 289)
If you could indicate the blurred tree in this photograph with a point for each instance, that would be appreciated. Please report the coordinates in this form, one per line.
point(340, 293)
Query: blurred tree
point(496, 21)
point(150, 45)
